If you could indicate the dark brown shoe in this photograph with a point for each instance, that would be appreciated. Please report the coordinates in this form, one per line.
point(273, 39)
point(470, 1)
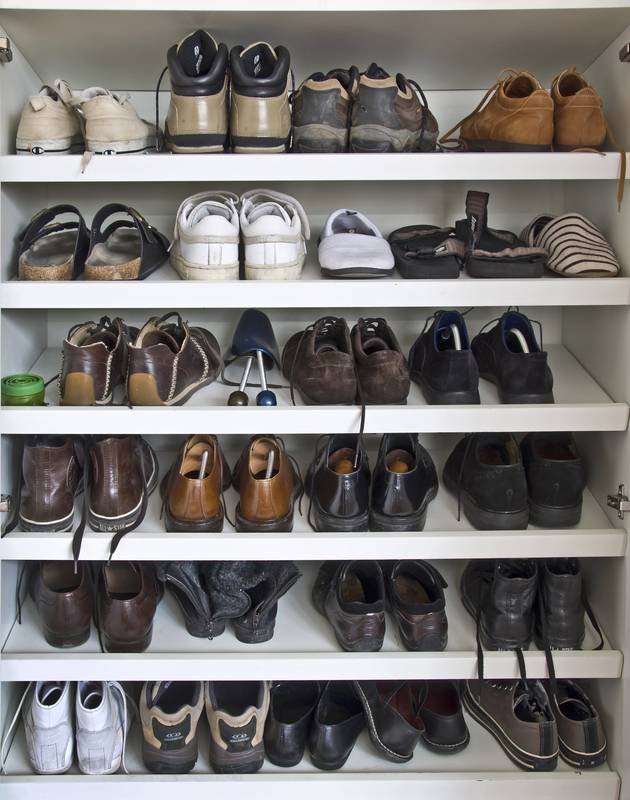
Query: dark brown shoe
point(319, 362)
point(192, 500)
point(268, 486)
point(63, 597)
point(94, 362)
point(321, 111)
point(50, 474)
point(127, 597)
point(415, 593)
point(382, 370)
point(170, 361)
point(124, 472)
point(580, 731)
point(351, 595)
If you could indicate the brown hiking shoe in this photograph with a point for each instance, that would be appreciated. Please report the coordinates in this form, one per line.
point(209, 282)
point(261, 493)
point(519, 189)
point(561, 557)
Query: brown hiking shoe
point(390, 115)
point(170, 361)
point(515, 114)
point(321, 111)
point(519, 716)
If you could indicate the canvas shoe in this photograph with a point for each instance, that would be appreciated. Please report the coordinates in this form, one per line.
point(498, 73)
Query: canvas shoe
point(206, 237)
point(49, 123)
point(101, 727)
point(351, 246)
point(260, 114)
point(274, 227)
point(112, 124)
point(48, 726)
point(197, 120)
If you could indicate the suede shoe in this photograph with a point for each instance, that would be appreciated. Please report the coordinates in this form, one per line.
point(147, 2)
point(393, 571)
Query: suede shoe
point(442, 364)
point(382, 371)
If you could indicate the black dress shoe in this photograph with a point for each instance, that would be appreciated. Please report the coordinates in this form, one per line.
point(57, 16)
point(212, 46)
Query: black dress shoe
point(442, 364)
point(337, 723)
point(415, 594)
point(445, 729)
point(486, 474)
point(555, 478)
point(186, 582)
point(338, 483)
point(291, 711)
point(405, 482)
point(509, 356)
point(351, 595)
point(500, 595)
point(391, 713)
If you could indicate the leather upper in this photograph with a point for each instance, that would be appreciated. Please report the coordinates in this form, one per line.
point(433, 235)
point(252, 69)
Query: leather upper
point(555, 471)
point(188, 497)
point(562, 605)
point(400, 494)
point(291, 711)
point(50, 474)
point(63, 597)
point(118, 464)
point(392, 710)
point(265, 499)
point(341, 494)
point(337, 723)
point(441, 713)
point(415, 594)
point(127, 598)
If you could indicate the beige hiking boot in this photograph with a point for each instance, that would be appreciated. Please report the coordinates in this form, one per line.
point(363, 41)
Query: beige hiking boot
point(48, 123)
point(260, 117)
point(112, 124)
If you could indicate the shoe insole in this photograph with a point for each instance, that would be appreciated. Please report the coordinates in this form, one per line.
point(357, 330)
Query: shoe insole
point(59, 576)
point(556, 451)
point(350, 222)
point(122, 246)
point(399, 461)
point(342, 461)
point(122, 581)
point(352, 590)
point(410, 590)
point(52, 250)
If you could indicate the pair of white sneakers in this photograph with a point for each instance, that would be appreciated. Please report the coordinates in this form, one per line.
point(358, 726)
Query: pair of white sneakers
point(272, 226)
point(100, 729)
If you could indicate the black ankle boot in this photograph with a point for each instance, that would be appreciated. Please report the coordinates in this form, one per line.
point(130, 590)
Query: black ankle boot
point(560, 612)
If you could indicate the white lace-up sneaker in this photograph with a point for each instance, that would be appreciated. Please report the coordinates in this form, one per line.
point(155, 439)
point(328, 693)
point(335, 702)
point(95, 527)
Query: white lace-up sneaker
point(112, 124)
point(49, 123)
point(205, 242)
point(274, 228)
point(101, 729)
point(351, 246)
point(48, 725)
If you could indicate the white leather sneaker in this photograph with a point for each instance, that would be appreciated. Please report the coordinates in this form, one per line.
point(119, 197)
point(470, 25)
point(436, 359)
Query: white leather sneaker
point(274, 228)
point(101, 727)
point(351, 246)
point(49, 124)
point(206, 237)
point(48, 725)
point(112, 124)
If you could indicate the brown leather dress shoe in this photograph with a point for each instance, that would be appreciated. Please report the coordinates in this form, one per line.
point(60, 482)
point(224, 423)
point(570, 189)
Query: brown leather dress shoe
point(63, 599)
point(268, 486)
point(383, 374)
point(94, 362)
point(124, 472)
point(170, 361)
point(127, 597)
point(192, 490)
point(50, 475)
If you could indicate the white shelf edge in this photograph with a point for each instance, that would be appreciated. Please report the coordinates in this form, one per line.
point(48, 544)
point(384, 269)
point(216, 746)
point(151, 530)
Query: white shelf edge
point(313, 5)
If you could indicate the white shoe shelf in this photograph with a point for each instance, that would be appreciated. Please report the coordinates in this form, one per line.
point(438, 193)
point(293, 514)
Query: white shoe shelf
point(455, 48)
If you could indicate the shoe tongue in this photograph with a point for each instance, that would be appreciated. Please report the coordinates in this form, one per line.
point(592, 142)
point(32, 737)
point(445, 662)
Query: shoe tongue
point(269, 210)
point(374, 344)
point(527, 708)
point(376, 72)
point(210, 208)
point(196, 53)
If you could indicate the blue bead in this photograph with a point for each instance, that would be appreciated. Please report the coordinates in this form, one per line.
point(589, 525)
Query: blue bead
point(266, 398)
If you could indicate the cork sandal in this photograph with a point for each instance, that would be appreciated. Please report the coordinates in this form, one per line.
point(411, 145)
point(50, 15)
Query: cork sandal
point(127, 250)
point(50, 250)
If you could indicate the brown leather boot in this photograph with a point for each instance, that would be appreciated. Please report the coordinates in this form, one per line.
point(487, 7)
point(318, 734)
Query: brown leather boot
point(63, 597)
point(515, 114)
point(94, 362)
point(50, 474)
point(192, 500)
point(268, 485)
point(124, 472)
point(127, 597)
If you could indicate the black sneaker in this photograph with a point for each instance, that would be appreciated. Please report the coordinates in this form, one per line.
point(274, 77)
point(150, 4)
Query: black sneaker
point(442, 364)
point(509, 356)
point(485, 472)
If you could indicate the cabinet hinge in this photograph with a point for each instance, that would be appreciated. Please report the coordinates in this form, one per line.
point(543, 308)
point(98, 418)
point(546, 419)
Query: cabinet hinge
point(624, 53)
point(5, 502)
point(6, 54)
point(619, 501)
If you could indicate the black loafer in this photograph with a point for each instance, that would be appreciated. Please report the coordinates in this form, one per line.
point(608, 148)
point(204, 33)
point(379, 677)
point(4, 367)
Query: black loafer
point(442, 364)
point(486, 474)
point(404, 483)
point(337, 723)
point(555, 477)
point(509, 356)
point(288, 723)
point(445, 730)
point(392, 717)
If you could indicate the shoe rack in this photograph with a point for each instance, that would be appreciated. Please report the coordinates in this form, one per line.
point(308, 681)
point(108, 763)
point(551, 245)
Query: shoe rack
point(454, 48)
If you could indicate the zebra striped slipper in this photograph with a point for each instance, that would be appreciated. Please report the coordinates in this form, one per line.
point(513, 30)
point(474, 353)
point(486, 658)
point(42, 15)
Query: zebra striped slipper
point(576, 247)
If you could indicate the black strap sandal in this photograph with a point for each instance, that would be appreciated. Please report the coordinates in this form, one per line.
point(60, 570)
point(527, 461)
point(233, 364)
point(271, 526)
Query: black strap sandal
point(53, 251)
point(128, 249)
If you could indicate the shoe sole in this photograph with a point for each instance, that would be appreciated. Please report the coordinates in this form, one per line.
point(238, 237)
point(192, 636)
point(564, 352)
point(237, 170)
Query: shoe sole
point(492, 146)
point(212, 525)
point(43, 147)
point(274, 272)
point(226, 763)
point(582, 760)
point(504, 268)
point(194, 272)
point(446, 749)
point(357, 272)
point(170, 762)
point(119, 146)
point(528, 761)
point(433, 397)
point(326, 523)
point(482, 519)
point(380, 139)
point(444, 268)
point(143, 391)
point(382, 748)
point(550, 517)
point(318, 138)
point(520, 399)
point(78, 390)
point(412, 522)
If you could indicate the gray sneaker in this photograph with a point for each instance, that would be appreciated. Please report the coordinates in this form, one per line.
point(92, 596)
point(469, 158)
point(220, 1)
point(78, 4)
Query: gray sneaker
point(101, 727)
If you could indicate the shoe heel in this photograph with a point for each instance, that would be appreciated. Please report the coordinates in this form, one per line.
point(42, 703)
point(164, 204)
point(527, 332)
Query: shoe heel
point(65, 640)
point(143, 391)
point(136, 646)
point(78, 390)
